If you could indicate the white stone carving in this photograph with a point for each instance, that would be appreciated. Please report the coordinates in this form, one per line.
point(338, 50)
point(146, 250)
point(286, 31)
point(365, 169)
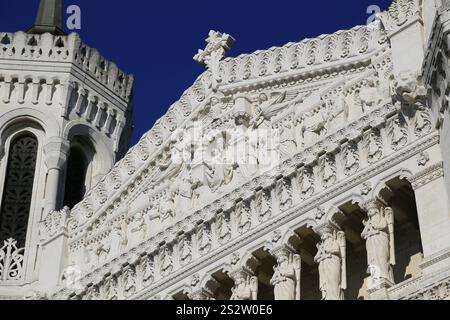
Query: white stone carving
point(218, 45)
point(286, 277)
point(379, 235)
point(330, 257)
point(245, 286)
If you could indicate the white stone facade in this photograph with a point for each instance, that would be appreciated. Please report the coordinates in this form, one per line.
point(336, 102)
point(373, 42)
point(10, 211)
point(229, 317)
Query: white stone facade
point(316, 170)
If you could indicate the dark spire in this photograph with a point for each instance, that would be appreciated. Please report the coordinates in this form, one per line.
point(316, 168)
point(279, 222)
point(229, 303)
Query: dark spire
point(49, 18)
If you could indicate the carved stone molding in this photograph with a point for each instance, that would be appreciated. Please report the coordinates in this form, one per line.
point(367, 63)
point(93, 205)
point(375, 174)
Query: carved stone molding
point(426, 176)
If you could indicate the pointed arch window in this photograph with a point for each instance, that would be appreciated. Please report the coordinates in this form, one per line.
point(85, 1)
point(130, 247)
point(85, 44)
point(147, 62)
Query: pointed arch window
point(18, 189)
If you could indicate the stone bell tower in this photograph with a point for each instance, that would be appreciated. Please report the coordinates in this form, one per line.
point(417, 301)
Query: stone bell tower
point(65, 119)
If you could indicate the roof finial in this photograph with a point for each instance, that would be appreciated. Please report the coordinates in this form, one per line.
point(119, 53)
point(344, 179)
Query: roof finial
point(49, 18)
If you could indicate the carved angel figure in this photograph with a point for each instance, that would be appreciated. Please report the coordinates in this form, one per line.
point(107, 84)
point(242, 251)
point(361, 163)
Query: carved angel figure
point(184, 195)
point(331, 259)
point(288, 144)
point(379, 235)
point(137, 229)
point(268, 108)
point(219, 170)
point(246, 288)
point(166, 207)
point(336, 110)
point(286, 277)
point(313, 126)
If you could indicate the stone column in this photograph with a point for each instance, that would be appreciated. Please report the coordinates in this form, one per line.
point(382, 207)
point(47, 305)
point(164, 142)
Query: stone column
point(434, 217)
point(81, 96)
point(7, 89)
point(100, 109)
point(21, 90)
point(110, 115)
point(56, 153)
point(49, 94)
point(91, 101)
point(67, 88)
point(35, 91)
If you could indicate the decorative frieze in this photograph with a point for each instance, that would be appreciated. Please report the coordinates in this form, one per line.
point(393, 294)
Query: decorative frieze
point(428, 175)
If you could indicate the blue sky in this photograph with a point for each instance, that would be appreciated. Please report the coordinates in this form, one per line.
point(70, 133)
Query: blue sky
point(156, 40)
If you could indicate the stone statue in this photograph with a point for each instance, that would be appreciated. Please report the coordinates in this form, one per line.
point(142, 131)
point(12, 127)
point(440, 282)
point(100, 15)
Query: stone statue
point(137, 229)
point(246, 287)
point(379, 235)
point(268, 108)
point(331, 259)
point(116, 242)
point(166, 207)
point(219, 171)
point(313, 126)
point(184, 195)
point(336, 111)
point(286, 278)
point(288, 144)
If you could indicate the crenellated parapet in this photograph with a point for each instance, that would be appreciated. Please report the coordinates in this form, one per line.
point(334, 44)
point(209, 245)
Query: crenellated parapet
point(22, 46)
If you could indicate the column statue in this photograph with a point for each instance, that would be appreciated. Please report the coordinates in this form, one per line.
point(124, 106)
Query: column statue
point(286, 278)
point(332, 268)
point(379, 235)
point(245, 288)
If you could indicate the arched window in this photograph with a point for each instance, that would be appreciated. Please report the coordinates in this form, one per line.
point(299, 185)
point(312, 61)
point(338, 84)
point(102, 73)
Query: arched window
point(18, 189)
point(75, 187)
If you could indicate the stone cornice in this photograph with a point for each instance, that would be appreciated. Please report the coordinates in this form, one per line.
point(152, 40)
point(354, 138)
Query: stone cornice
point(428, 175)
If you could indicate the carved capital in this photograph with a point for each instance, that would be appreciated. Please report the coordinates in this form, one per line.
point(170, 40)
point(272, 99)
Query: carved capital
point(56, 152)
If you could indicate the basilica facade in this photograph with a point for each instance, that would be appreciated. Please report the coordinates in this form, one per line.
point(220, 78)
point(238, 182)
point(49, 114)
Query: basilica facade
point(315, 170)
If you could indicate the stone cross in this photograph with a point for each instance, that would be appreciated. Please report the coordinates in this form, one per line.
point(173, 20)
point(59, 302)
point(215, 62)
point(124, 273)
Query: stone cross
point(217, 45)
